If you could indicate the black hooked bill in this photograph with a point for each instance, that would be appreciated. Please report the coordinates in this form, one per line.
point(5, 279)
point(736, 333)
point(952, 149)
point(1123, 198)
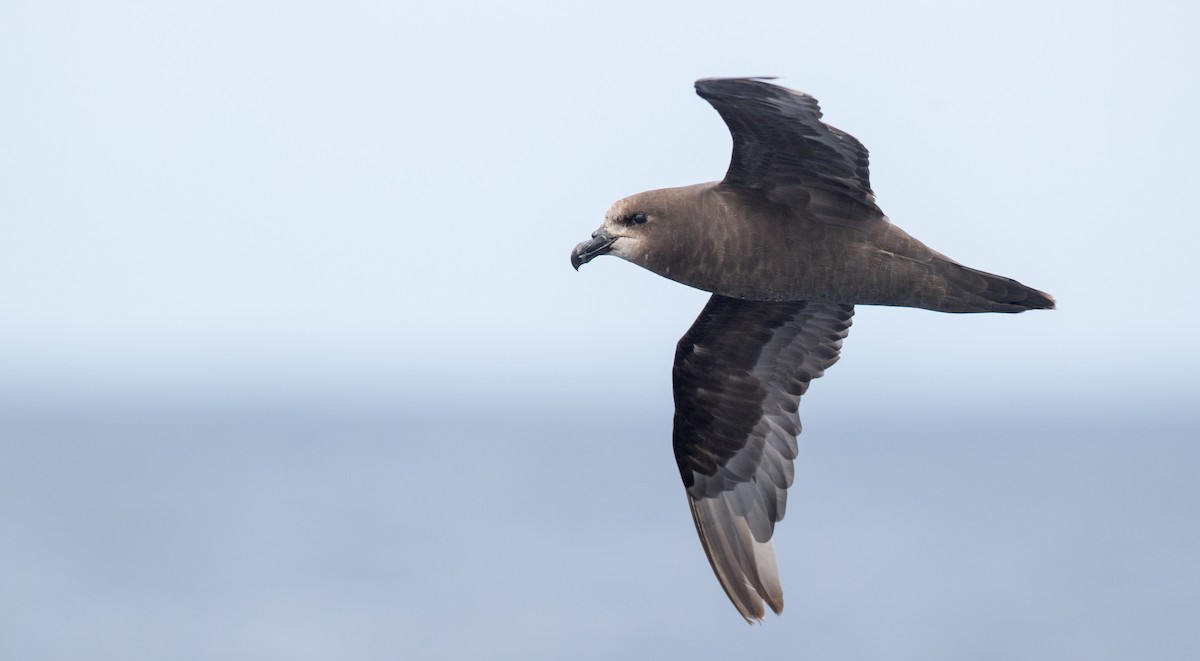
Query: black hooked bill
point(600, 243)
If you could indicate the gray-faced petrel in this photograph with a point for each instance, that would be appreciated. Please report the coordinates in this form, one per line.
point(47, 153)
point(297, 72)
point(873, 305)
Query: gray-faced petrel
point(788, 243)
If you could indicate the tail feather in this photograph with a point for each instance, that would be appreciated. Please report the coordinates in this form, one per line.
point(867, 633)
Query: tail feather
point(971, 290)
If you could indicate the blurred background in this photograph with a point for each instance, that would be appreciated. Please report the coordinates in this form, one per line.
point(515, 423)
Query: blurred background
point(293, 364)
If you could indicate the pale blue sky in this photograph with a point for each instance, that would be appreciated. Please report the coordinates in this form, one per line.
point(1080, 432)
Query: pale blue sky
point(288, 193)
point(257, 212)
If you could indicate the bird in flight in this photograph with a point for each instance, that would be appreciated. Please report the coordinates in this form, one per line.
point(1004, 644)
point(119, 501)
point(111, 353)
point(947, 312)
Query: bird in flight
point(787, 243)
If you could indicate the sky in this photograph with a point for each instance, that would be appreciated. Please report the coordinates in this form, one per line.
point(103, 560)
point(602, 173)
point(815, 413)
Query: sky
point(293, 362)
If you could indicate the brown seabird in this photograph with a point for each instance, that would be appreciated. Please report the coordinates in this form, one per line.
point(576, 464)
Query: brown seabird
point(788, 243)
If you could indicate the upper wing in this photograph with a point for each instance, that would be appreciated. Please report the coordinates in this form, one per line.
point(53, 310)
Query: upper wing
point(739, 373)
point(781, 146)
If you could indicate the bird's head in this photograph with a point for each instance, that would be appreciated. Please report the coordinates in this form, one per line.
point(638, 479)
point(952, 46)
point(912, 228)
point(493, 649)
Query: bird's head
point(632, 228)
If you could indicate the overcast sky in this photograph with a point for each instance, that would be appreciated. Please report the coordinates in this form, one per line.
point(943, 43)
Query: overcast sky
point(370, 205)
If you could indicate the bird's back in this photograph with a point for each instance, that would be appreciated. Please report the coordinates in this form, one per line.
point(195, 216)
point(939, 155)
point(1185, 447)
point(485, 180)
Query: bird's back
point(739, 244)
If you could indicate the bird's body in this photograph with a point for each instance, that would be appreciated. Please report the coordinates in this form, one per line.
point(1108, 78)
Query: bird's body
point(743, 245)
point(788, 242)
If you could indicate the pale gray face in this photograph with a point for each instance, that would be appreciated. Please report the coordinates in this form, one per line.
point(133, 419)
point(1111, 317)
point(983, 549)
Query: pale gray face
point(628, 232)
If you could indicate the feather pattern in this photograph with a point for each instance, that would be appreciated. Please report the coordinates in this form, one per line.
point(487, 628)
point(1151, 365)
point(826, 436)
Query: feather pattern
point(781, 146)
point(739, 374)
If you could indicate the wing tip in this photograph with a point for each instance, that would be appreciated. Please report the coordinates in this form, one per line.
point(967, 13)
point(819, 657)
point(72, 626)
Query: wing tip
point(749, 580)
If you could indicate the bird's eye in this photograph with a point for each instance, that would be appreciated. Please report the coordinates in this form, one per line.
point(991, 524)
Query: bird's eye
point(638, 218)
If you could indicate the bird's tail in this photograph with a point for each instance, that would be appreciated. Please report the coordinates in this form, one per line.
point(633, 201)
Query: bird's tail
point(970, 290)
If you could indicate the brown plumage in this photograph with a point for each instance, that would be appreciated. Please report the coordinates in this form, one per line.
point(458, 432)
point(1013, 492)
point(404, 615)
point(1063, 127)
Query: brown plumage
point(788, 242)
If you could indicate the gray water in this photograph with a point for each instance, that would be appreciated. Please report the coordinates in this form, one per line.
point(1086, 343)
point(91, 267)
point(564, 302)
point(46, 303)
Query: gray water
point(302, 531)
